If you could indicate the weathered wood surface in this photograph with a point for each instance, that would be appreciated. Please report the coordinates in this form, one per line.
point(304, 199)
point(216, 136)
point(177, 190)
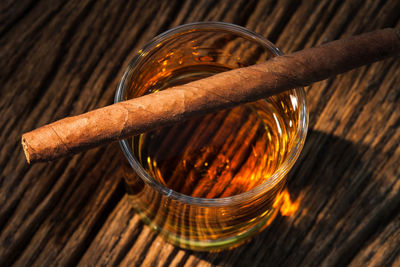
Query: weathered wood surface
point(60, 58)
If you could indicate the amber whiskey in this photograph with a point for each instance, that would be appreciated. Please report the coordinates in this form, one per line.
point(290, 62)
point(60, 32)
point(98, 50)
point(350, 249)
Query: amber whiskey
point(213, 181)
point(221, 154)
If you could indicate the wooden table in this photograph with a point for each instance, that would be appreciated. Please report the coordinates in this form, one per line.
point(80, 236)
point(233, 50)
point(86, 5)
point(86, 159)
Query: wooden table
point(61, 58)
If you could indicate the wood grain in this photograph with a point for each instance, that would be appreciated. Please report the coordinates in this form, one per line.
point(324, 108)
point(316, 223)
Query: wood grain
point(65, 58)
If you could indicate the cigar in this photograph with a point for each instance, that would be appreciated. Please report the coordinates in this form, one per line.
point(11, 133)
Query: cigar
point(121, 120)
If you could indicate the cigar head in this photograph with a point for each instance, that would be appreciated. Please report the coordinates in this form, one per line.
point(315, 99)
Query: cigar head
point(26, 149)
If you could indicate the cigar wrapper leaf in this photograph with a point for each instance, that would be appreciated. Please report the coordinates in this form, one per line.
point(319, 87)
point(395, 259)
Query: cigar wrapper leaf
point(121, 120)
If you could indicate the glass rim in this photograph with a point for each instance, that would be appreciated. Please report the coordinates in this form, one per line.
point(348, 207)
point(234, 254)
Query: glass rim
point(276, 177)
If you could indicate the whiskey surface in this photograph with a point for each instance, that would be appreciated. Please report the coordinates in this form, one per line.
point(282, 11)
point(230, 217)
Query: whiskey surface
point(221, 154)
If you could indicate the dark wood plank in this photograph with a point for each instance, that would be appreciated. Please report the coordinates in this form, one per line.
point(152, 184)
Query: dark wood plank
point(65, 58)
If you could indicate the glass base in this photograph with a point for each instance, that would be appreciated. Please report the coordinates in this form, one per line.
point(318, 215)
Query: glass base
point(211, 245)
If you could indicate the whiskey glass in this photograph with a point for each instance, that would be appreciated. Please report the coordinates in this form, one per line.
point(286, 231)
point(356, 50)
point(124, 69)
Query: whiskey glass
point(214, 181)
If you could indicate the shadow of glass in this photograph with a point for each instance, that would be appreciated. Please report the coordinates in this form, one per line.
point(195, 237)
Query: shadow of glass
point(326, 163)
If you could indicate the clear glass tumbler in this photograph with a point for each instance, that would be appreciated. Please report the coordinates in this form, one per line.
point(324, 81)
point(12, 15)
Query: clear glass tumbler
point(213, 181)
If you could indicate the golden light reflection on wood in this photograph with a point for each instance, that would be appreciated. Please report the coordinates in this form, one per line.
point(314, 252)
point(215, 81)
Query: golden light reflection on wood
point(288, 207)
